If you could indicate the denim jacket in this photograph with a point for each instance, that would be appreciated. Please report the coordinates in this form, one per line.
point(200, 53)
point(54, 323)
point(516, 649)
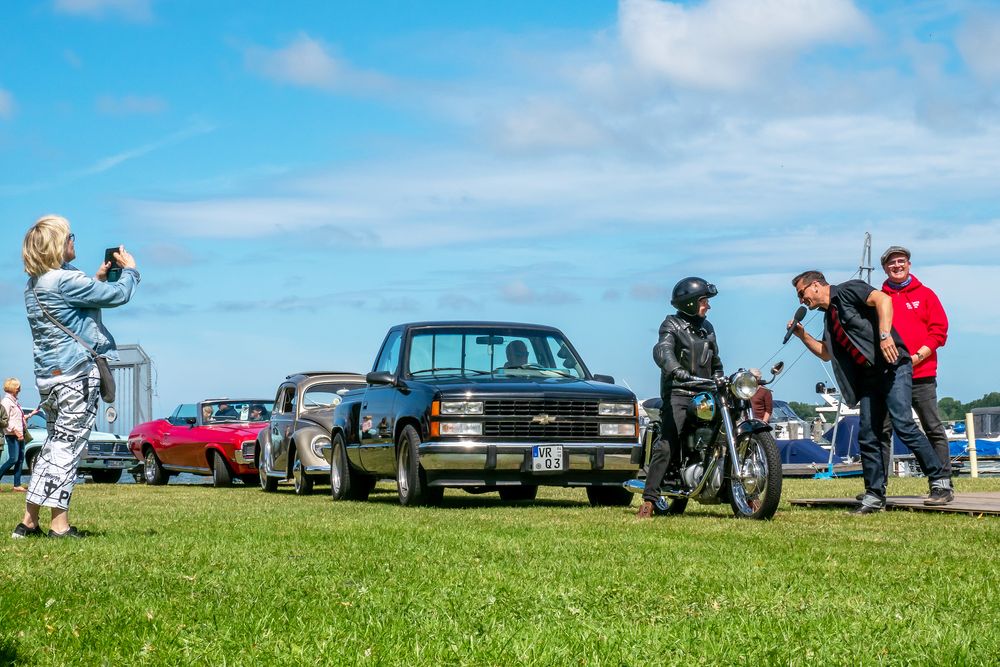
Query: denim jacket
point(75, 300)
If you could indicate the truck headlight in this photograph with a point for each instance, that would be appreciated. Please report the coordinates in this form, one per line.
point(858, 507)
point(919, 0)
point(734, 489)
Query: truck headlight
point(461, 407)
point(616, 409)
point(461, 428)
point(617, 430)
point(743, 385)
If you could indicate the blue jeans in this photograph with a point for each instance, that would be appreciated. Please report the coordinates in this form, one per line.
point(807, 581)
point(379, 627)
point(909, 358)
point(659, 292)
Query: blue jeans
point(15, 458)
point(888, 390)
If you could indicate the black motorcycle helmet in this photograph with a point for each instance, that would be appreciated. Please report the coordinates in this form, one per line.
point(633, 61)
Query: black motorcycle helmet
point(688, 291)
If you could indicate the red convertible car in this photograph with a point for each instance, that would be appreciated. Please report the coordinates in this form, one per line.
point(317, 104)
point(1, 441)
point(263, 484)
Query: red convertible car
point(216, 437)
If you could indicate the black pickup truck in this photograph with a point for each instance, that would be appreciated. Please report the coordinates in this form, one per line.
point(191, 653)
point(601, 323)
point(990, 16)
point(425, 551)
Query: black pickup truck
point(485, 406)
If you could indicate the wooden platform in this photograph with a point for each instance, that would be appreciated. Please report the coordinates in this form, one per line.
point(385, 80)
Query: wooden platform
point(973, 504)
point(810, 469)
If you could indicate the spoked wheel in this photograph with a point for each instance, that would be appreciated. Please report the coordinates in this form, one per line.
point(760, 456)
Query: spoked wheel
point(303, 483)
point(410, 476)
point(757, 494)
point(154, 472)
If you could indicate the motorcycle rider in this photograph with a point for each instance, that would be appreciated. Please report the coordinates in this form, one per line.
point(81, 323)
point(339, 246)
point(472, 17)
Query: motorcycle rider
point(686, 348)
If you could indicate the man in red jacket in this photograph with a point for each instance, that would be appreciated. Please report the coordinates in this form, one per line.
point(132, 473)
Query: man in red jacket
point(921, 321)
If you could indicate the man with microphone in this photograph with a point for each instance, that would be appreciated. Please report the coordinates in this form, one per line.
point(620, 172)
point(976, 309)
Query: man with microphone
point(873, 367)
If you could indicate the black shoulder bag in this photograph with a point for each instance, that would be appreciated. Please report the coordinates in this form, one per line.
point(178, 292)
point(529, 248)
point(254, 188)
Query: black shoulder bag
point(103, 369)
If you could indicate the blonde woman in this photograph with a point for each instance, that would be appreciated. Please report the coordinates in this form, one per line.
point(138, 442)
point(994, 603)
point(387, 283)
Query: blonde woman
point(65, 372)
point(14, 433)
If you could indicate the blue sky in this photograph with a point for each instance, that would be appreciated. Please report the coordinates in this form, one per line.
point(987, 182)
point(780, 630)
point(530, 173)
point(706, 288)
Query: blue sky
point(293, 178)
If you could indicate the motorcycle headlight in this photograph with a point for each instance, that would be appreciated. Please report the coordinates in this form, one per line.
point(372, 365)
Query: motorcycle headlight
point(743, 385)
point(703, 405)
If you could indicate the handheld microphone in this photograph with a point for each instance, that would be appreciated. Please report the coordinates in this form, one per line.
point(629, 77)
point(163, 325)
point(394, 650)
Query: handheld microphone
point(799, 314)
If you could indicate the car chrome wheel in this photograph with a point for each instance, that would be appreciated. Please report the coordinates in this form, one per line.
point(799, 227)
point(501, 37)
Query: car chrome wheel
point(303, 483)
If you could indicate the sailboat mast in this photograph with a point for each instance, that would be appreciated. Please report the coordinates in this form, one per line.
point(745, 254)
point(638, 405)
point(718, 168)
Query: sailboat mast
point(865, 270)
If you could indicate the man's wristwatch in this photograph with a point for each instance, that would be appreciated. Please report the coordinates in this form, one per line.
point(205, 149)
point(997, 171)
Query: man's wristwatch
point(883, 335)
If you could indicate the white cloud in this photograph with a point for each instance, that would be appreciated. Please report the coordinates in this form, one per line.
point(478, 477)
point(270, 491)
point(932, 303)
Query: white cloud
point(308, 63)
point(979, 43)
point(126, 105)
point(547, 123)
point(731, 44)
point(6, 104)
point(130, 10)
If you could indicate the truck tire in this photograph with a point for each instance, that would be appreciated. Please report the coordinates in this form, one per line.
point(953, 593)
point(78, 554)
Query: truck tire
point(411, 479)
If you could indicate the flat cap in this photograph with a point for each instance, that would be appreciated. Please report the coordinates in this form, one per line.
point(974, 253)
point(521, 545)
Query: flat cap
point(894, 250)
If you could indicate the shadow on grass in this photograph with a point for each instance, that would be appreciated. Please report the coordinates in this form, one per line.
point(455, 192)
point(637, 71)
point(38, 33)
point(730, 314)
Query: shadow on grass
point(10, 653)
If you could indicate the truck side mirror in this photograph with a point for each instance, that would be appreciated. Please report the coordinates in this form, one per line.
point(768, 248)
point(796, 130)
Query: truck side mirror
point(380, 378)
point(606, 379)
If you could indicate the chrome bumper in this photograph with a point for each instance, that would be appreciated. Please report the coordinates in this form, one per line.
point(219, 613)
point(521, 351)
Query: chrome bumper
point(516, 456)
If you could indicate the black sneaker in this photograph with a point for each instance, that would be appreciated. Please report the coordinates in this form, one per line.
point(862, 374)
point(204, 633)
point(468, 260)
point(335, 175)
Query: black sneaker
point(22, 531)
point(70, 532)
point(867, 509)
point(939, 496)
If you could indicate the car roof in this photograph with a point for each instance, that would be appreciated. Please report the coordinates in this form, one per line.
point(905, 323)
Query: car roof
point(475, 323)
point(237, 400)
point(312, 374)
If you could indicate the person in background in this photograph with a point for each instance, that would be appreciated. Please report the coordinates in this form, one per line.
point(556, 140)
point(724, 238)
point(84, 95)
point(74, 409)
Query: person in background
point(517, 354)
point(206, 414)
point(920, 319)
point(258, 413)
point(17, 425)
point(226, 410)
point(762, 402)
point(65, 372)
point(872, 367)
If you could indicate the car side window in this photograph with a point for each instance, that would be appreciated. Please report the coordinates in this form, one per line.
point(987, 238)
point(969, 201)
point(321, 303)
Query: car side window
point(183, 412)
point(286, 401)
point(388, 360)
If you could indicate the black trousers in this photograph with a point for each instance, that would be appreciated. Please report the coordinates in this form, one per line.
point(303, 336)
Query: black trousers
point(925, 403)
point(672, 417)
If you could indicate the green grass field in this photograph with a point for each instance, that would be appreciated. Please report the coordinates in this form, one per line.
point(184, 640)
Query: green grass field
point(196, 575)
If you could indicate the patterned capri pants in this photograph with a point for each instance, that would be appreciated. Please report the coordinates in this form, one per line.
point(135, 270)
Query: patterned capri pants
point(70, 410)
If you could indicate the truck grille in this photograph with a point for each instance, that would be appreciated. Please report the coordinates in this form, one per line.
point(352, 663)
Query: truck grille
point(532, 407)
point(529, 430)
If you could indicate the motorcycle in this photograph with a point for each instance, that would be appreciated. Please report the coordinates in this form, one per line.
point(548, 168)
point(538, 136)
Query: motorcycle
point(726, 455)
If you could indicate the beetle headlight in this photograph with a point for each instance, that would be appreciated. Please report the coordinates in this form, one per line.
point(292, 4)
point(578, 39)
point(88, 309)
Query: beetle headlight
point(319, 443)
point(703, 405)
point(743, 385)
point(616, 409)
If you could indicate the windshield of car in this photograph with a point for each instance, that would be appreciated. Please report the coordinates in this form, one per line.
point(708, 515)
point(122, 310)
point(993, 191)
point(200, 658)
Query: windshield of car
point(496, 351)
point(217, 412)
point(326, 395)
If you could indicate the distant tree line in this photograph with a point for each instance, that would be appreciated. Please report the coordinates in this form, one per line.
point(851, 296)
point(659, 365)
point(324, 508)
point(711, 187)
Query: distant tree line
point(950, 409)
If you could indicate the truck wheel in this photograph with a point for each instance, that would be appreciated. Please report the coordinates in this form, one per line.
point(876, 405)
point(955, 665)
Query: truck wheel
point(221, 476)
point(106, 476)
point(303, 483)
point(153, 470)
point(609, 496)
point(514, 493)
point(410, 476)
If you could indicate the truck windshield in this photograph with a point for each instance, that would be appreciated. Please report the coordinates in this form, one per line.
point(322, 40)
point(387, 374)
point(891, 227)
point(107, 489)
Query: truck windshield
point(499, 352)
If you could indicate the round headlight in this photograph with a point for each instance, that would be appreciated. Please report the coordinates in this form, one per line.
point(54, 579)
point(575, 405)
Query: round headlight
point(744, 385)
point(704, 406)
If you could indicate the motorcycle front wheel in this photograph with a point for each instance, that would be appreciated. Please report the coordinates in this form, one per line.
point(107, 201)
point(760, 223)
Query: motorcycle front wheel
point(757, 494)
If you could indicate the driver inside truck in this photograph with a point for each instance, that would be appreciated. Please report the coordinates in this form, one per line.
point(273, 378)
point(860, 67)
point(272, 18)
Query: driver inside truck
point(517, 354)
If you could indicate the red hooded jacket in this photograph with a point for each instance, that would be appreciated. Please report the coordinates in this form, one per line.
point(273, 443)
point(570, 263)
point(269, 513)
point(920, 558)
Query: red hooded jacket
point(919, 317)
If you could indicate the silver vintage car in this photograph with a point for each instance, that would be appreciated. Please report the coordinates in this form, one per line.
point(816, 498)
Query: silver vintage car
point(296, 443)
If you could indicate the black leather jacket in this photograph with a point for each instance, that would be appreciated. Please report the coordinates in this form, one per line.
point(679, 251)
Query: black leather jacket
point(686, 347)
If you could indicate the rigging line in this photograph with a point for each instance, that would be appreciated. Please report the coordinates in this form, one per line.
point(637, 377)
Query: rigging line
point(812, 316)
point(790, 366)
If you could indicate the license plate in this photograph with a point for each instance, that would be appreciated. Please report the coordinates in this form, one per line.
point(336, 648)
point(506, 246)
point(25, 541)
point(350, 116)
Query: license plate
point(546, 458)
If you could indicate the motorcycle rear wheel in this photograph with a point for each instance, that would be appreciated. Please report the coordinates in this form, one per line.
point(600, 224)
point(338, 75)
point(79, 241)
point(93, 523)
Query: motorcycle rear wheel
point(757, 495)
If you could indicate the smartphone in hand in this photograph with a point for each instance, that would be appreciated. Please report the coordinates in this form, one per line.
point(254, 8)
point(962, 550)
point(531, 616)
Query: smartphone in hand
point(115, 271)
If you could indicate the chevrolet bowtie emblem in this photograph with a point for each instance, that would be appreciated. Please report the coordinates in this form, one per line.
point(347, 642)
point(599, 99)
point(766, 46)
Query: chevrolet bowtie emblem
point(544, 420)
